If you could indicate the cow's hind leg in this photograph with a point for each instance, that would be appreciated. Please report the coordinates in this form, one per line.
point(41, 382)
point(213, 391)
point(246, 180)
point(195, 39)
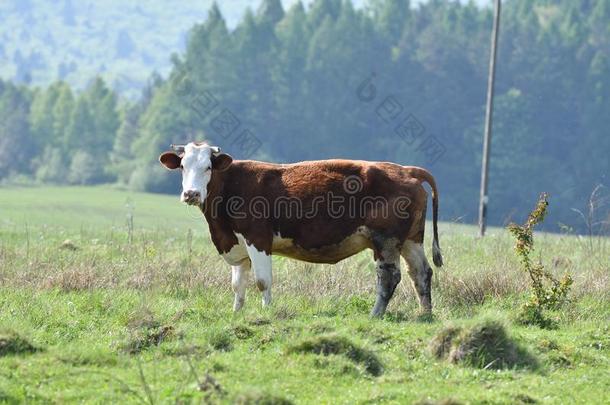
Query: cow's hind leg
point(420, 273)
point(239, 281)
point(261, 262)
point(388, 277)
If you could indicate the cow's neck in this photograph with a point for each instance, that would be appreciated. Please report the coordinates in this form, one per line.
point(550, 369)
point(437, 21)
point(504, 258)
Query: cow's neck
point(214, 212)
point(214, 192)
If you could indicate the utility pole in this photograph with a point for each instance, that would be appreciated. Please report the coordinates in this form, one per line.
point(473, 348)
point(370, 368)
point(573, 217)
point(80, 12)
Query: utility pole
point(483, 199)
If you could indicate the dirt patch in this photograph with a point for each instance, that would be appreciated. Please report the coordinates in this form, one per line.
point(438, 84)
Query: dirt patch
point(483, 345)
point(339, 345)
point(11, 343)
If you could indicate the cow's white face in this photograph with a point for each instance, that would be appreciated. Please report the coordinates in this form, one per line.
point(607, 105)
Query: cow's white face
point(196, 173)
point(197, 162)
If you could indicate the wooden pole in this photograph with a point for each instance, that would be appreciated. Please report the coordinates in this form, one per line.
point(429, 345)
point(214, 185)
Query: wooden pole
point(483, 199)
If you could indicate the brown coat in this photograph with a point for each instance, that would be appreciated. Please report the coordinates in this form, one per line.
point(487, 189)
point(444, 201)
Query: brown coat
point(373, 202)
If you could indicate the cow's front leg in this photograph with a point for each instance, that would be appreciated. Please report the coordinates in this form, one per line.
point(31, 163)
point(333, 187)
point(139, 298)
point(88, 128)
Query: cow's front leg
point(239, 281)
point(261, 262)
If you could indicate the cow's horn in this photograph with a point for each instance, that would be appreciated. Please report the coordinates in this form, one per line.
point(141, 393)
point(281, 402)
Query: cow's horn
point(215, 149)
point(177, 148)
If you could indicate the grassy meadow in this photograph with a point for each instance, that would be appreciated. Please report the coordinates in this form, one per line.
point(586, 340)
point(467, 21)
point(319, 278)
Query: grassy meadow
point(112, 296)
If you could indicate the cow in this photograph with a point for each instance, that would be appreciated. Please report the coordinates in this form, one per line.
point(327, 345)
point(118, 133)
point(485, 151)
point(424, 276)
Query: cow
point(316, 211)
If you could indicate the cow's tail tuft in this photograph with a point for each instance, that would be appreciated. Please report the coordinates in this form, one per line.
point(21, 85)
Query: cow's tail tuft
point(437, 258)
point(424, 175)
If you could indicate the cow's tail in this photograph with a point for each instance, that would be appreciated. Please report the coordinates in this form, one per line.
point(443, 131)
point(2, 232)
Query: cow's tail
point(425, 175)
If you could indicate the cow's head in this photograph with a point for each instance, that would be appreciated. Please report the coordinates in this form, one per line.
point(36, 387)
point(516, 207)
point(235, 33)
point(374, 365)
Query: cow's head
point(197, 161)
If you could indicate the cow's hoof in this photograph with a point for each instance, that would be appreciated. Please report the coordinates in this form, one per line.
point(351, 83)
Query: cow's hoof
point(377, 313)
point(238, 304)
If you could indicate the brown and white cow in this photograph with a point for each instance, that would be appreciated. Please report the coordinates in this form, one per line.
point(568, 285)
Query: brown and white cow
point(319, 211)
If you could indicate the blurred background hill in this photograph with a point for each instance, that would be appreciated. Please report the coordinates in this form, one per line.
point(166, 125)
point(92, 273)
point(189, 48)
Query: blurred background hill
point(124, 41)
point(91, 92)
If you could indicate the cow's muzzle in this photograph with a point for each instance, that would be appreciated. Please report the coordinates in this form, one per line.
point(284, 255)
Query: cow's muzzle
point(191, 197)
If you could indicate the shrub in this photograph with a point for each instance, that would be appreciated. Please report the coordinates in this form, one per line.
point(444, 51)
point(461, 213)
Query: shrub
point(548, 293)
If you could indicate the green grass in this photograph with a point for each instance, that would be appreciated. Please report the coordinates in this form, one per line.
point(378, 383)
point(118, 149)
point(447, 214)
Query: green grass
point(150, 321)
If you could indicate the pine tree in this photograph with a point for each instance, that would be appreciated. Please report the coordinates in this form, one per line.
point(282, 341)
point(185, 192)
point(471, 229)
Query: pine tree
point(80, 132)
point(41, 115)
point(17, 146)
point(270, 12)
point(122, 160)
point(391, 18)
point(102, 105)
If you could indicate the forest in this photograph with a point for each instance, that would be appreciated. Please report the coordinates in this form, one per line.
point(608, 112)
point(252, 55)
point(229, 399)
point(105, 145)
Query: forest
point(389, 81)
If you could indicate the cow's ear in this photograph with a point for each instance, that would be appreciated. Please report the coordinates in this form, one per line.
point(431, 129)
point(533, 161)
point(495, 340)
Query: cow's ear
point(221, 161)
point(170, 160)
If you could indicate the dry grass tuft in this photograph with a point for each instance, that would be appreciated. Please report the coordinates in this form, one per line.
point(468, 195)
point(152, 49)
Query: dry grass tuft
point(68, 245)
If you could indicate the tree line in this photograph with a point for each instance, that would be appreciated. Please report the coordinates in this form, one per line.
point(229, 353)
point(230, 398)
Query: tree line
point(387, 82)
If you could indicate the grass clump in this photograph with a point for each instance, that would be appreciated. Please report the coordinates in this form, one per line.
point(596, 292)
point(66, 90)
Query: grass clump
point(220, 340)
point(548, 293)
point(261, 398)
point(482, 345)
point(339, 345)
point(11, 343)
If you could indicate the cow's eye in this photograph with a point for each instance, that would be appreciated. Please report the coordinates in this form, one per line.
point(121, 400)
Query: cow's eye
point(181, 167)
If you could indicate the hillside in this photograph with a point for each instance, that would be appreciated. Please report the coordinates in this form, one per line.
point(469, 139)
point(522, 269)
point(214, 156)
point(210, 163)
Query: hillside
point(124, 41)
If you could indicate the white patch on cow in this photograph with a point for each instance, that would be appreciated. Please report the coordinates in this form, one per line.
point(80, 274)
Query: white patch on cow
point(196, 169)
point(237, 254)
point(261, 262)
